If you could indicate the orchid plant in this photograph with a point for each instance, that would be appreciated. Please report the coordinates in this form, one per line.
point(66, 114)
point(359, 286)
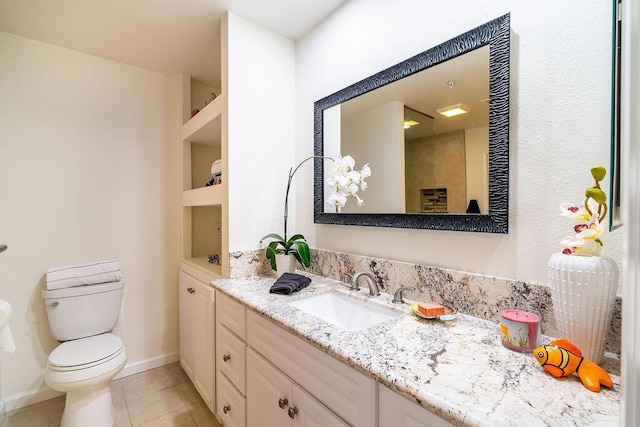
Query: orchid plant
point(586, 219)
point(345, 181)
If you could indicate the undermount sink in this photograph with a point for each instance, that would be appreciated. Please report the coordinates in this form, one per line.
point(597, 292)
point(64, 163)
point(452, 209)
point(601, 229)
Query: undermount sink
point(343, 312)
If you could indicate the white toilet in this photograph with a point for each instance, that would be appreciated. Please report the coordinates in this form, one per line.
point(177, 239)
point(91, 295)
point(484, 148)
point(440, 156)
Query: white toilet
point(84, 364)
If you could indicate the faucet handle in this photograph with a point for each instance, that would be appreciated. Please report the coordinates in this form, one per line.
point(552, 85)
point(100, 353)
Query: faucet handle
point(354, 281)
point(397, 295)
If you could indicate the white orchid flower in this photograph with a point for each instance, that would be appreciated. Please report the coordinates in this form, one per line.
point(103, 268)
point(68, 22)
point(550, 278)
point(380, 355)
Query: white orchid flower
point(363, 185)
point(337, 199)
point(352, 189)
point(359, 201)
point(353, 177)
point(337, 180)
point(348, 163)
point(365, 172)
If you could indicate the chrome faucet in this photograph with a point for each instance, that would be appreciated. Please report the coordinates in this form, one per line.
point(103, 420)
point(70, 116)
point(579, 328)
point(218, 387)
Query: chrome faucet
point(373, 285)
point(397, 295)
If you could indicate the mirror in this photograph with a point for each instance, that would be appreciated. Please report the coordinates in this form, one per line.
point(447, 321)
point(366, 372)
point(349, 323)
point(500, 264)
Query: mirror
point(615, 220)
point(429, 171)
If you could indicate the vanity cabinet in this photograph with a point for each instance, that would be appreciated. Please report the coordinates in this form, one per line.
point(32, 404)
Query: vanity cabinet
point(231, 353)
point(319, 386)
point(396, 411)
point(197, 334)
point(274, 400)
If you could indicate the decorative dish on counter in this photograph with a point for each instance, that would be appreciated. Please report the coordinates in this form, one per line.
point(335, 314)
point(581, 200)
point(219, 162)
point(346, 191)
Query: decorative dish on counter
point(432, 310)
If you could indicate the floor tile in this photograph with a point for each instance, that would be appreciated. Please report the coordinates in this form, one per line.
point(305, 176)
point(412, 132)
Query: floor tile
point(176, 373)
point(188, 393)
point(154, 405)
point(179, 418)
point(202, 415)
point(138, 385)
point(42, 416)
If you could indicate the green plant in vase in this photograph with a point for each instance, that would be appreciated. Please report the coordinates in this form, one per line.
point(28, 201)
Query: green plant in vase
point(344, 182)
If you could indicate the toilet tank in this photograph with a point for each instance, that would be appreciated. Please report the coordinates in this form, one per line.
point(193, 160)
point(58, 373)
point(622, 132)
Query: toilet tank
point(83, 311)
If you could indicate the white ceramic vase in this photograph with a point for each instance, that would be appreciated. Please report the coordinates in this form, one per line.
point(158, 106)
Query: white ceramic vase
point(285, 264)
point(583, 289)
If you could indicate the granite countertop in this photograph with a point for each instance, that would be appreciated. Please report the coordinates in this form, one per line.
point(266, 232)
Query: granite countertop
point(458, 369)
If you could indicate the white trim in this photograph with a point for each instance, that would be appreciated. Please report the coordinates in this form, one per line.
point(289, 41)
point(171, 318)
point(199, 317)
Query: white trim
point(145, 365)
point(31, 397)
point(630, 154)
point(2, 411)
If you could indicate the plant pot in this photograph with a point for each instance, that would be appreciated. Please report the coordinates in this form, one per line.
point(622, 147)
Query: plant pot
point(285, 263)
point(583, 289)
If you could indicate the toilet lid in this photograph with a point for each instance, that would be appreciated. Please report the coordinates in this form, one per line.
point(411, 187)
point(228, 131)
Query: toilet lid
point(90, 350)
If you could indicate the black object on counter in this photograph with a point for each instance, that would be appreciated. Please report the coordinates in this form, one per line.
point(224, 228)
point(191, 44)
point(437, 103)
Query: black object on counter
point(289, 283)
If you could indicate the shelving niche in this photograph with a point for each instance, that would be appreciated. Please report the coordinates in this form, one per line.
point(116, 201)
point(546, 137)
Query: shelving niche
point(203, 207)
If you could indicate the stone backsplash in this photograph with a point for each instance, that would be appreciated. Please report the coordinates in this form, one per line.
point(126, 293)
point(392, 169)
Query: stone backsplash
point(474, 294)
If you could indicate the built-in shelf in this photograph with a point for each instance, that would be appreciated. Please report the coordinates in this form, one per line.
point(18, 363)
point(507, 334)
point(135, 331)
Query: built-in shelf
point(204, 264)
point(204, 196)
point(204, 127)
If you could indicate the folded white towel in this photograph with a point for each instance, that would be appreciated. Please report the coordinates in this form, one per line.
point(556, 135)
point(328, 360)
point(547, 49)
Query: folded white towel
point(216, 167)
point(83, 274)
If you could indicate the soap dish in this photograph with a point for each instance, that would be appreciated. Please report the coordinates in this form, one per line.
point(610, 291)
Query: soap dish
point(449, 313)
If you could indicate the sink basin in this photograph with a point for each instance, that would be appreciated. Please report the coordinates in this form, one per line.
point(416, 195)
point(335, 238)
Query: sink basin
point(346, 313)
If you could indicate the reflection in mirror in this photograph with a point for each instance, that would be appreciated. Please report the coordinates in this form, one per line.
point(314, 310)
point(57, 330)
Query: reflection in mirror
point(430, 169)
point(614, 199)
point(430, 162)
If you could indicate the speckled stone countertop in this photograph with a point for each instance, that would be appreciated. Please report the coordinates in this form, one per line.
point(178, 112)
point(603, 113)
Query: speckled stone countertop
point(457, 369)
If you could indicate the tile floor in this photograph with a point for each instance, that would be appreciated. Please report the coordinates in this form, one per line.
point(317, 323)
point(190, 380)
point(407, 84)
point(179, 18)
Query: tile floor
point(159, 397)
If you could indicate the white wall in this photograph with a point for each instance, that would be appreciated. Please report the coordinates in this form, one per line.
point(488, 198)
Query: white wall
point(260, 88)
point(88, 171)
point(476, 152)
point(379, 127)
point(559, 120)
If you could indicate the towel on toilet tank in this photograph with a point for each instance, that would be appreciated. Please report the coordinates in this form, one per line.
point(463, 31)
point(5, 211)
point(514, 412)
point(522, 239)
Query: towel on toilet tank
point(83, 274)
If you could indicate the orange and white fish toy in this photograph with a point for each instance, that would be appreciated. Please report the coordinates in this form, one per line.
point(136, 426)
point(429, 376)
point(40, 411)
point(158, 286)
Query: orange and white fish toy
point(561, 358)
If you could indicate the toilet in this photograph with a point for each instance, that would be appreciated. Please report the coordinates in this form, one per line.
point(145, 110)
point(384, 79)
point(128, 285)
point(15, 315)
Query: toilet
point(89, 356)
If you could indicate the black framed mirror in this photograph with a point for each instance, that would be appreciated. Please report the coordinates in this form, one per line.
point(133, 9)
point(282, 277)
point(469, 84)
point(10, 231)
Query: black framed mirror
point(413, 208)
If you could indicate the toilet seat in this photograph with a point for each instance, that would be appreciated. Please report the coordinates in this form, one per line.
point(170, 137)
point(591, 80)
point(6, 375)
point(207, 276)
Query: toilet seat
point(85, 353)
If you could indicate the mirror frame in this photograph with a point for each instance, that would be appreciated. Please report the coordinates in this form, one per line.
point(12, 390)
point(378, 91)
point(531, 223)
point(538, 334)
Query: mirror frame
point(496, 34)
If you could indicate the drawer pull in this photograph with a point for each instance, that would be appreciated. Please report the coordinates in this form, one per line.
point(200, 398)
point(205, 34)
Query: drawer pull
point(226, 409)
point(190, 290)
point(292, 411)
point(283, 402)
point(226, 357)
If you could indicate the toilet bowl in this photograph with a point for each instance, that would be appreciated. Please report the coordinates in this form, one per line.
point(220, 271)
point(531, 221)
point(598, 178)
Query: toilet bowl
point(84, 369)
point(89, 356)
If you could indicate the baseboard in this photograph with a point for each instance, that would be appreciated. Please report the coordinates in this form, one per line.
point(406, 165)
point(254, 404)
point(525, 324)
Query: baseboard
point(2, 411)
point(145, 365)
point(31, 397)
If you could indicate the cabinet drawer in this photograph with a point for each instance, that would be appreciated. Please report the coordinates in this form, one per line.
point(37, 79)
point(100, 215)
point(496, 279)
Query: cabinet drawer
point(231, 405)
point(231, 357)
point(347, 392)
point(395, 410)
point(232, 315)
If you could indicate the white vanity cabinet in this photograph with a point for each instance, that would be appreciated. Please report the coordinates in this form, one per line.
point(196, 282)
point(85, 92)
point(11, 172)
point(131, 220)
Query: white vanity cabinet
point(197, 334)
point(231, 361)
point(319, 386)
point(274, 400)
point(396, 411)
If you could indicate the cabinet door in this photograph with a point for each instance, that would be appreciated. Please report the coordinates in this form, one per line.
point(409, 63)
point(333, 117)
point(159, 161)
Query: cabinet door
point(203, 333)
point(396, 411)
point(312, 413)
point(268, 393)
point(186, 312)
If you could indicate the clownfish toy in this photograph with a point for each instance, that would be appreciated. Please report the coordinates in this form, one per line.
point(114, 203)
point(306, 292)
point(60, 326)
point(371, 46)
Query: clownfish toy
point(561, 358)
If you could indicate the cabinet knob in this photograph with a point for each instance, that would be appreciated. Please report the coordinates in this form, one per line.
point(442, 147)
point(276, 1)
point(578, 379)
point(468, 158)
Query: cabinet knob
point(293, 410)
point(283, 402)
point(226, 409)
point(190, 290)
point(226, 357)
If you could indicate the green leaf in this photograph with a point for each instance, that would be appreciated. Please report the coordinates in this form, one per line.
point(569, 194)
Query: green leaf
point(271, 253)
point(273, 236)
point(304, 254)
point(297, 237)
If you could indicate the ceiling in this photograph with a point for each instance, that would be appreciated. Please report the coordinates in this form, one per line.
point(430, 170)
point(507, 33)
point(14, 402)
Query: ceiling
point(166, 36)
